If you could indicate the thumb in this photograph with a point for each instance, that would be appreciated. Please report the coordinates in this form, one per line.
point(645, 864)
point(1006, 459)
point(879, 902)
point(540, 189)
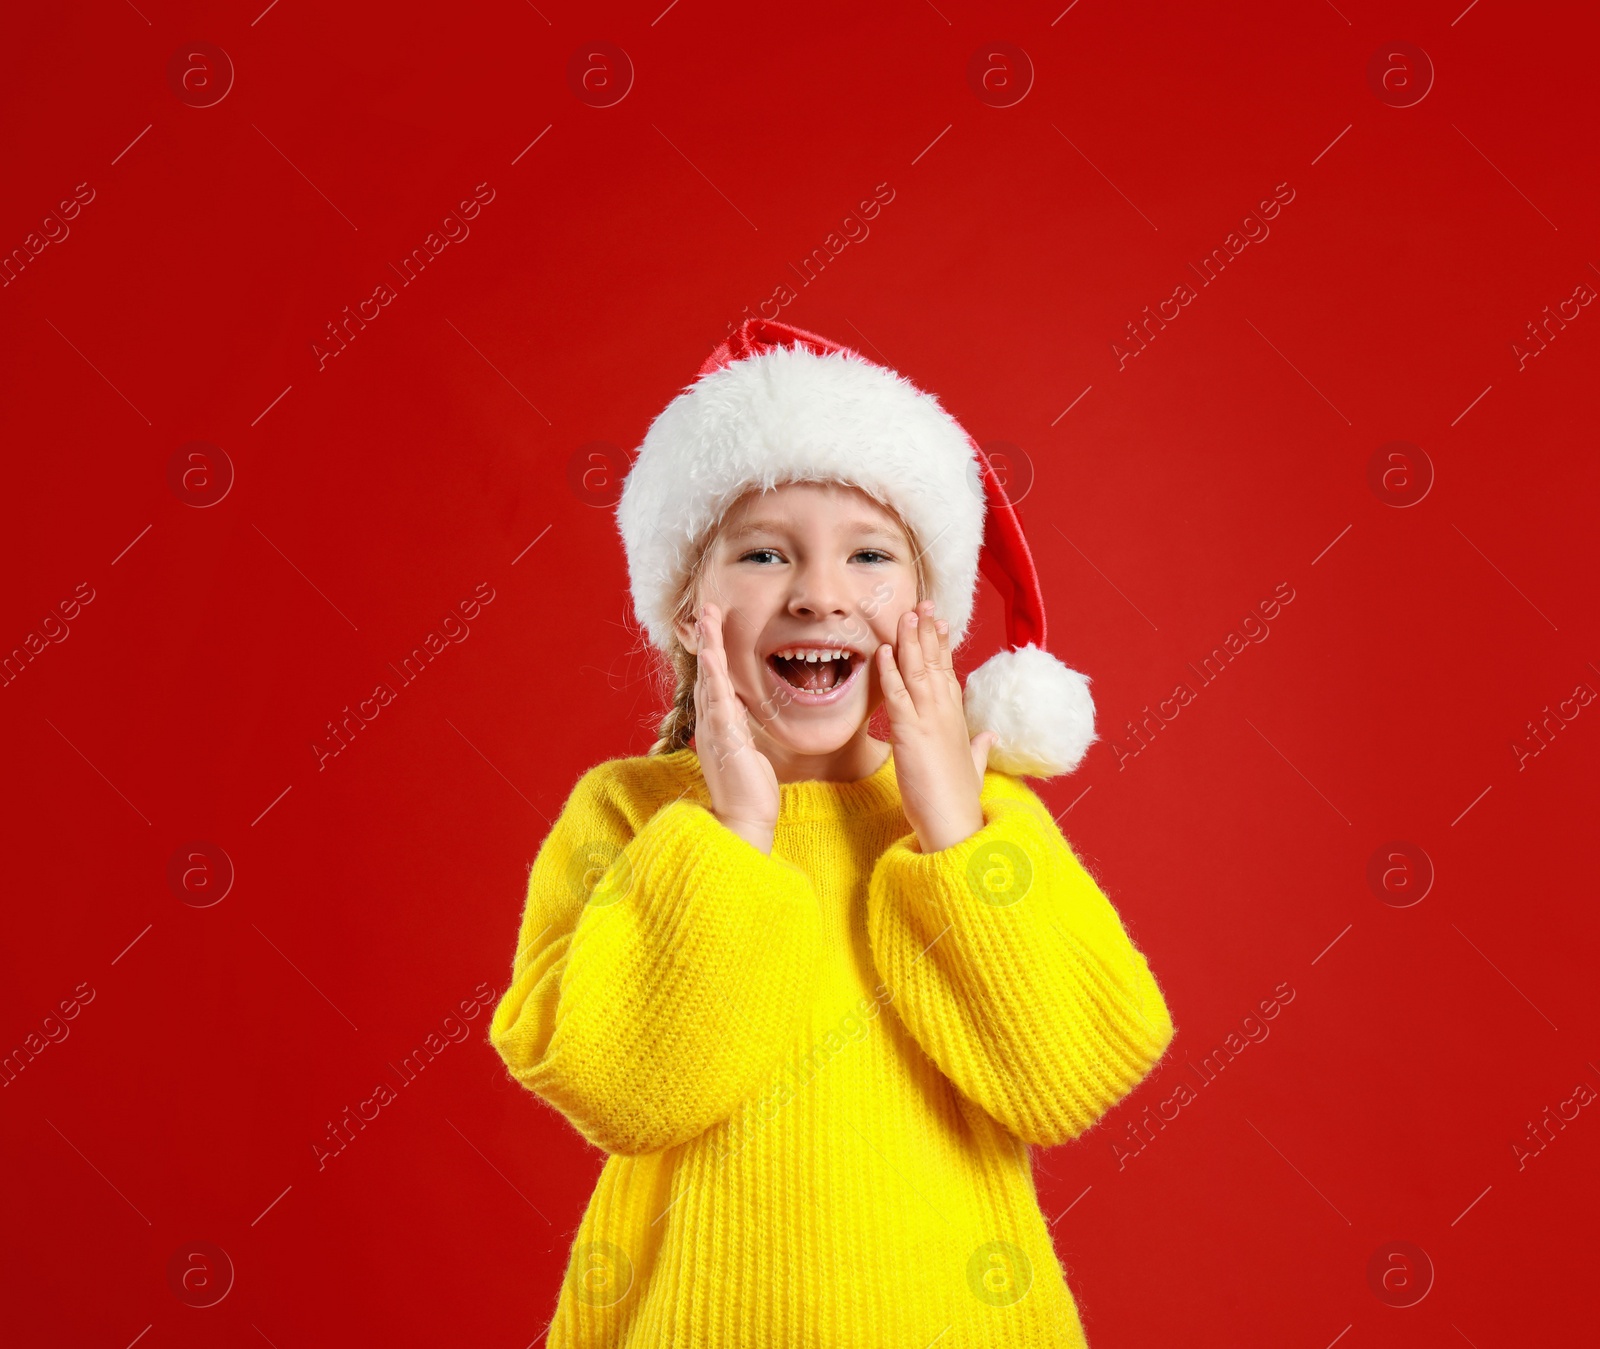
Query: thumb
point(981, 744)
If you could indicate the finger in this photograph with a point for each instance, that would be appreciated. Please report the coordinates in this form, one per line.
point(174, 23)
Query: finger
point(710, 626)
point(896, 698)
point(912, 669)
point(711, 689)
point(729, 714)
point(945, 662)
point(928, 631)
point(700, 666)
point(935, 682)
point(936, 648)
point(713, 669)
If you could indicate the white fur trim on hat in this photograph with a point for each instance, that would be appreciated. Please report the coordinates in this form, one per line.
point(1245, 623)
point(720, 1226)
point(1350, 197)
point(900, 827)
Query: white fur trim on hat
point(1039, 710)
point(788, 415)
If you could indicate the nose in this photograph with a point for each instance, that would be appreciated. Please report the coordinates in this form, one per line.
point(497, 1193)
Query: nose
point(819, 590)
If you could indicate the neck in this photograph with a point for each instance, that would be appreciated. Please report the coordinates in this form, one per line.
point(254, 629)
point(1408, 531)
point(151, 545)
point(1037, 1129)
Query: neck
point(859, 757)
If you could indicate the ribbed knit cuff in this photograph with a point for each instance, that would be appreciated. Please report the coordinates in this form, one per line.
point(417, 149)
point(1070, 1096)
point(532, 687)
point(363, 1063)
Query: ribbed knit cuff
point(1016, 974)
point(685, 851)
point(689, 973)
point(995, 865)
point(1017, 854)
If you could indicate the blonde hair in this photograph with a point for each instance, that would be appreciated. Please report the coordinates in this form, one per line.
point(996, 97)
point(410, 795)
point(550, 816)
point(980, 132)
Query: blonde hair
point(681, 667)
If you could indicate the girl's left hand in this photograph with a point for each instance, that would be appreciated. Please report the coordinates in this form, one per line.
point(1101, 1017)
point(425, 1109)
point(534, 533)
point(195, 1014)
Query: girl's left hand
point(939, 770)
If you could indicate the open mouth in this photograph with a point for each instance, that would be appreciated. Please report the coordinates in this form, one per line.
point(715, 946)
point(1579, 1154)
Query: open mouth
point(817, 671)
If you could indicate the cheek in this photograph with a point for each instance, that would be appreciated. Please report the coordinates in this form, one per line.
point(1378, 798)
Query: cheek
point(886, 622)
point(743, 663)
point(891, 597)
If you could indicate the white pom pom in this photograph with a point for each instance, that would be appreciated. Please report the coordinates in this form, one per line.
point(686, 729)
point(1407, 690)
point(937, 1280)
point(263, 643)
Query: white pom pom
point(1039, 710)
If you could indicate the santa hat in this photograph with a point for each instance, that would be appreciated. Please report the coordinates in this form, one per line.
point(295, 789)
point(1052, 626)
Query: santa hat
point(775, 404)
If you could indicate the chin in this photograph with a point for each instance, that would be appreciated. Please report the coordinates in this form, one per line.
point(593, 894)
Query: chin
point(819, 735)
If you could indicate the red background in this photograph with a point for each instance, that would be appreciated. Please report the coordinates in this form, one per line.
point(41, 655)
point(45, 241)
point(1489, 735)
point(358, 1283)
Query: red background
point(373, 895)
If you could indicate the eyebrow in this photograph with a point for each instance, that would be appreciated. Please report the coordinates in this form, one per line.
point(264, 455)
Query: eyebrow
point(861, 527)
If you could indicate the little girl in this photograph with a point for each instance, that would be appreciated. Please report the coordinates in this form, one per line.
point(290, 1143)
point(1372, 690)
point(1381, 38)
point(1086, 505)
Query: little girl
point(814, 994)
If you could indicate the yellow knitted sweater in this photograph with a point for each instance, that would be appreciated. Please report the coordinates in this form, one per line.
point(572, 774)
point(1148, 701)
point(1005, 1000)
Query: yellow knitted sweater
point(816, 1072)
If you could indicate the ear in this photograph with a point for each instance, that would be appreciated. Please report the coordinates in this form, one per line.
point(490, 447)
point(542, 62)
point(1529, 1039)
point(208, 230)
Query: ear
point(689, 635)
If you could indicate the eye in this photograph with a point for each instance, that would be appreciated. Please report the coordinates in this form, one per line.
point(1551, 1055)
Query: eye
point(874, 555)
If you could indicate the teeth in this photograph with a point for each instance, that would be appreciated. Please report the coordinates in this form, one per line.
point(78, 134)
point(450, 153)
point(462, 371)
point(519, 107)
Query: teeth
point(812, 656)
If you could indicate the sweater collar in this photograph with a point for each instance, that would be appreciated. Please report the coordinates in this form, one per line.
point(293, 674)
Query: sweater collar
point(813, 799)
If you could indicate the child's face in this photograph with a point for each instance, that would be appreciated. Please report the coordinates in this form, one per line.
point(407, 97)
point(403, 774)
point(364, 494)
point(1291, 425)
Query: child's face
point(817, 565)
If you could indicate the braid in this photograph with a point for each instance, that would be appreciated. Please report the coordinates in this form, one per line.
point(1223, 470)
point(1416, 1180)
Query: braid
point(677, 726)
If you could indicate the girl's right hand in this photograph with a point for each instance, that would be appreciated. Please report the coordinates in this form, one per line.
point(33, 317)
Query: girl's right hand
point(740, 778)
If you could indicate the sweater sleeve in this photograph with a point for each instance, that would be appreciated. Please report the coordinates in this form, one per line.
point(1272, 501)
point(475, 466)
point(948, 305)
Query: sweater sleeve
point(658, 976)
point(1014, 972)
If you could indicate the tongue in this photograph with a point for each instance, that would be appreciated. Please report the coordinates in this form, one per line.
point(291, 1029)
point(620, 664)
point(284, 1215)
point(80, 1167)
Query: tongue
point(813, 676)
